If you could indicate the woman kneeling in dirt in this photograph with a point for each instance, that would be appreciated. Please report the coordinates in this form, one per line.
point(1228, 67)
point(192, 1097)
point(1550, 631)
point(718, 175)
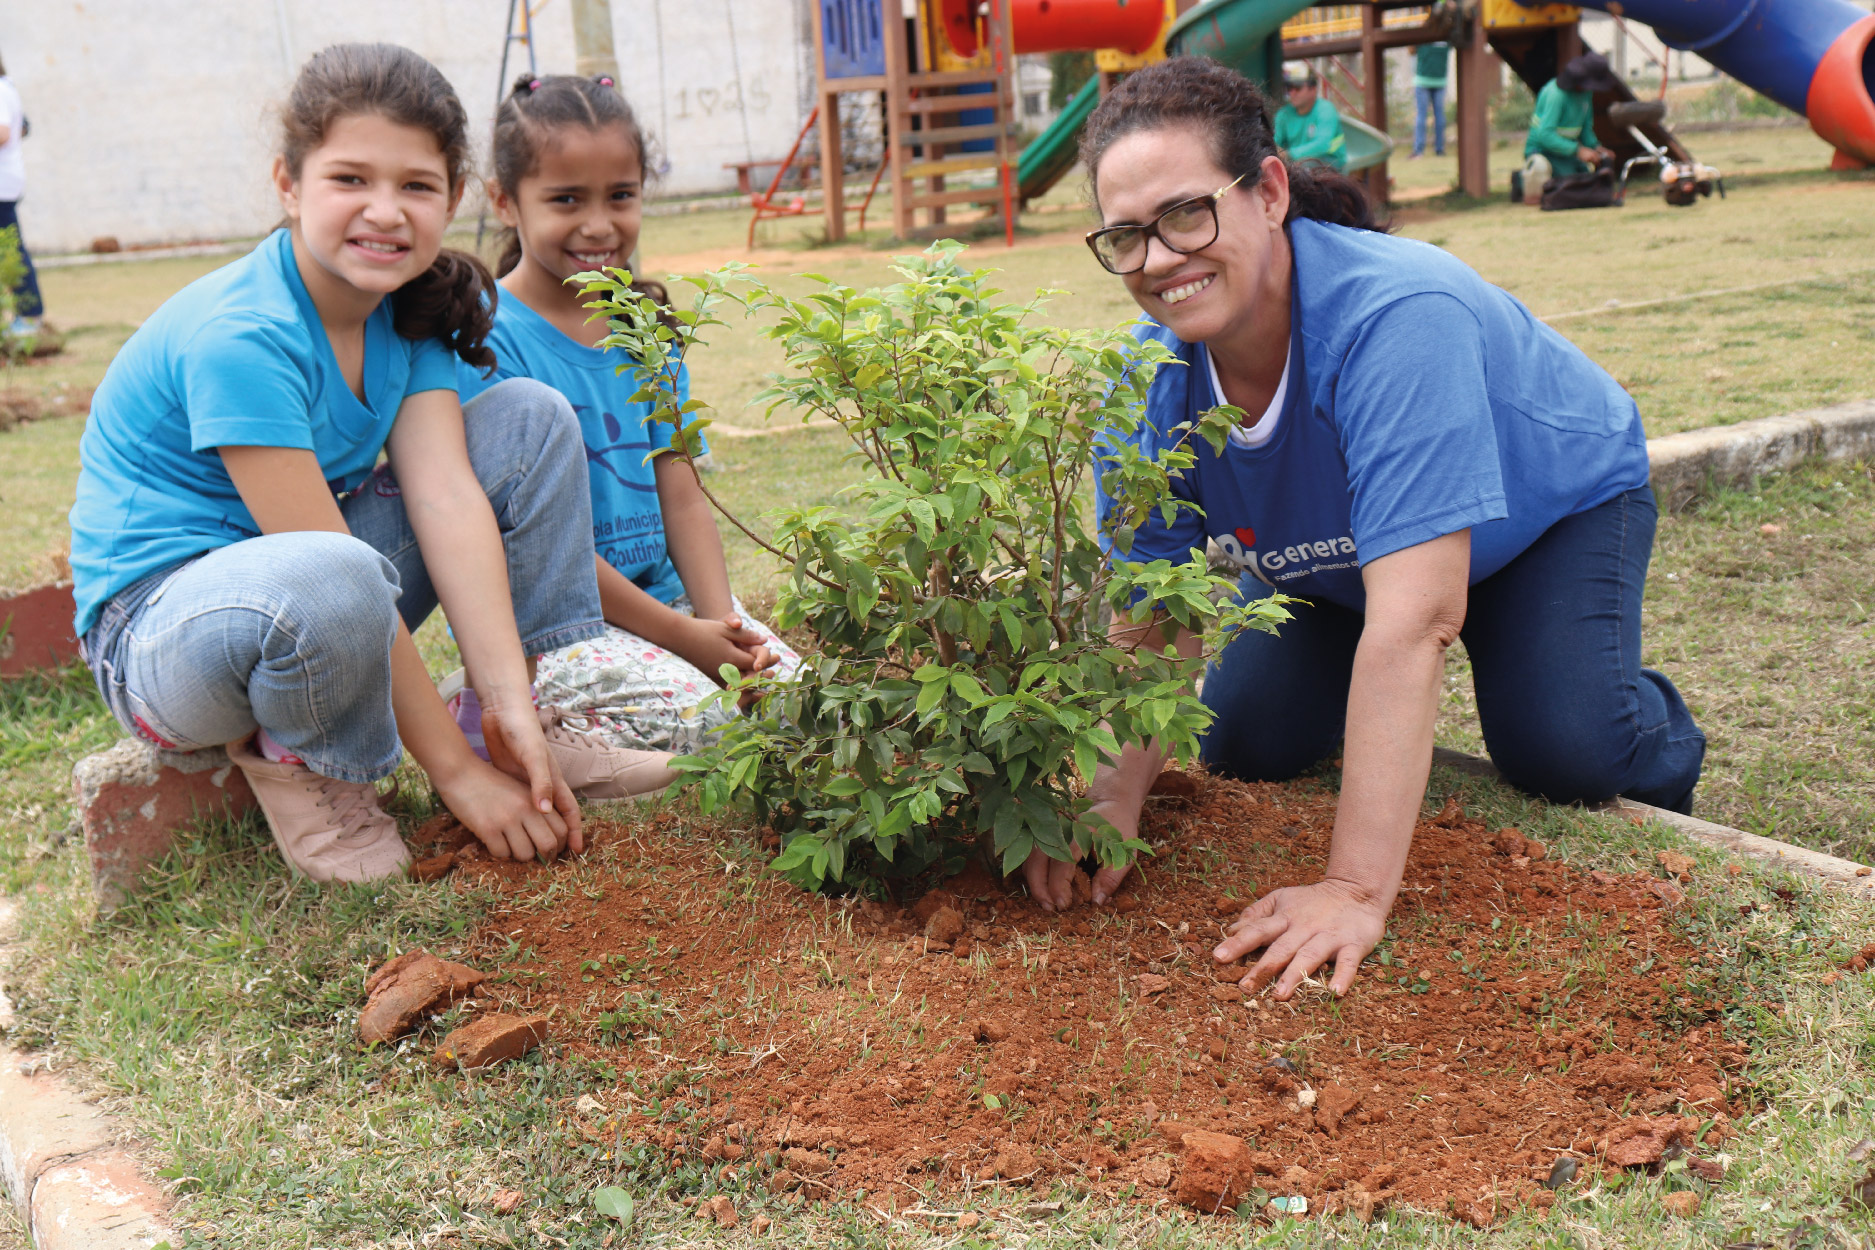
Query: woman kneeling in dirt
point(1420, 459)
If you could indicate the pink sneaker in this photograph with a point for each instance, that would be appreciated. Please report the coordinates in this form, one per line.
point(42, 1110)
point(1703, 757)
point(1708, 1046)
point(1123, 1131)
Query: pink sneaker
point(596, 770)
point(327, 829)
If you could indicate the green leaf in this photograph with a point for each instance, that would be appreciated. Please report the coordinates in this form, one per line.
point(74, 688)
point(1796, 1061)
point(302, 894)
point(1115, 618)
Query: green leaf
point(614, 1202)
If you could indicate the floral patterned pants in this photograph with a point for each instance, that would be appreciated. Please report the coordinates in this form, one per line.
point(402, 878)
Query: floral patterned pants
point(640, 695)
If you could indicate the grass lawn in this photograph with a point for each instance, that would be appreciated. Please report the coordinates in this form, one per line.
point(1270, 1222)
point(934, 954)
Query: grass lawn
point(215, 1010)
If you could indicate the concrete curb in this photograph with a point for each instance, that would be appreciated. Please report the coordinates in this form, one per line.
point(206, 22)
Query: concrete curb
point(63, 1161)
point(1686, 465)
point(1846, 874)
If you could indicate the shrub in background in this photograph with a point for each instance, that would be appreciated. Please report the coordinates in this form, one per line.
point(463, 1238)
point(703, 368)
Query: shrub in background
point(964, 688)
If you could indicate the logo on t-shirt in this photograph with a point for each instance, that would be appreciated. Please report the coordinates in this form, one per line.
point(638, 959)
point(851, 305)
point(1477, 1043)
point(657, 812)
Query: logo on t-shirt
point(619, 446)
point(1296, 560)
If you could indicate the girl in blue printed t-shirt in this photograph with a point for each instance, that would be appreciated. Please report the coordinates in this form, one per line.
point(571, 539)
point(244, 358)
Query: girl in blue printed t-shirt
point(1418, 458)
point(247, 575)
point(569, 161)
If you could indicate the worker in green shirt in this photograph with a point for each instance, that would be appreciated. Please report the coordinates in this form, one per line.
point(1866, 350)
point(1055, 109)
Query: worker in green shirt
point(1308, 128)
point(1562, 133)
point(1431, 62)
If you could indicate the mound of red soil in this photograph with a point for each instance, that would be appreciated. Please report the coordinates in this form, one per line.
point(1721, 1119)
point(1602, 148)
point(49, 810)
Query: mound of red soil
point(1517, 1014)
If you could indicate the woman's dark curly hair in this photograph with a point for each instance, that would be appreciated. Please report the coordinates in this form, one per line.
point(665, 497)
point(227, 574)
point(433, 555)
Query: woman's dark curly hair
point(1235, 119)
point(452, 300)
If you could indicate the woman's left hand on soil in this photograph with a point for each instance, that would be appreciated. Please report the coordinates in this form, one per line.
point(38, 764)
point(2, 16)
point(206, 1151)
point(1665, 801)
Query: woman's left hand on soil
point(1304, 927)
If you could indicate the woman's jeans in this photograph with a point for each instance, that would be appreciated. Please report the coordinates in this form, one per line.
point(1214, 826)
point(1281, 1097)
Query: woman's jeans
point(1428, 101)
point(1555, 643)
point(26, 295)
point(293, 631)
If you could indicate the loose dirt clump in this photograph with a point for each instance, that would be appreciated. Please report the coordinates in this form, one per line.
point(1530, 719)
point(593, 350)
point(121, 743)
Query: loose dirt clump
point(1519, 1013)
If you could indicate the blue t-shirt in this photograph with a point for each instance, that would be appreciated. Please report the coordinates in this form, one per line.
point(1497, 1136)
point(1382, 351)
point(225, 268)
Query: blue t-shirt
point(627, 525)
point(237, 358)
point(1422, 400)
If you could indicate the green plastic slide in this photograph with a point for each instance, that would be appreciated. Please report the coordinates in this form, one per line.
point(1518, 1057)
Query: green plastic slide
point(1051, 154)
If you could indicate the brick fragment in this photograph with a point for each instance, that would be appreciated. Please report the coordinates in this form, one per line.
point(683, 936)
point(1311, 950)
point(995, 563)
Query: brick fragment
point(36, 629)
point(400, 993)
point(491, 1040)
point(133, 798)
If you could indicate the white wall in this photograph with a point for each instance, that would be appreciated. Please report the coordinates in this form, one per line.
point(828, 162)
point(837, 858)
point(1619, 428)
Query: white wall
point(151, 118)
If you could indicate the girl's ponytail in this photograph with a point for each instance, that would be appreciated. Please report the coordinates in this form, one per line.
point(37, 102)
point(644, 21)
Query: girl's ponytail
point(453, 300)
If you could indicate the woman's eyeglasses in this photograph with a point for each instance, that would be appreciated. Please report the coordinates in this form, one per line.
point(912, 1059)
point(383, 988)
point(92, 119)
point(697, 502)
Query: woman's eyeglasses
point(1187, 226)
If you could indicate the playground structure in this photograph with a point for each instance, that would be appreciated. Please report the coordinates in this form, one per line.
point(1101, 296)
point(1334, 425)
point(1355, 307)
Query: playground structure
point(948, 81)
point(946, 77)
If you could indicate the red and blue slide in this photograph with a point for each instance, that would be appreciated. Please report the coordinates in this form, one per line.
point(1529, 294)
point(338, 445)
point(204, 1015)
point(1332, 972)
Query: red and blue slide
point(1816, 57)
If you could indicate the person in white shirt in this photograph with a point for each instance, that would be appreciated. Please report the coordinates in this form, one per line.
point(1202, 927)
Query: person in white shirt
point(27, 306)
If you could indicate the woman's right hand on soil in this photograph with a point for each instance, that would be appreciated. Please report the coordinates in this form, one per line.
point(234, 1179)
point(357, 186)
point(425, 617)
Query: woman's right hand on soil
point(501, 811)
point(1303, 927)
point(517, 748)
point(1050, 880)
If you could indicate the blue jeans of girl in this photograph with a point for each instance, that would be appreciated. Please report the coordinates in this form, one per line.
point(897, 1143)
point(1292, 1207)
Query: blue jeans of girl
point(1555, 644)
point(293, 631)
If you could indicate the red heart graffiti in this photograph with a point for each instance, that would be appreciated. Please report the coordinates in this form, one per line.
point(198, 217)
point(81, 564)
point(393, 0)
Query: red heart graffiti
point(1246, 536)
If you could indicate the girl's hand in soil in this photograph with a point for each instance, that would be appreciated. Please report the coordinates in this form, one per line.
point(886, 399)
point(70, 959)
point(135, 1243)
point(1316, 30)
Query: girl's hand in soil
point(501, 812)
point(518, 749)
point(1050, 881)
point(1304, 927)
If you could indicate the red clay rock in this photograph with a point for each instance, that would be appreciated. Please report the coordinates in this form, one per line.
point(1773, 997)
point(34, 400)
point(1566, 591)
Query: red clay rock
point(36, 630)
point(506, 1200)
point(435, 868)
point(490, 1040)
point(1334, 1103)
point(1509, 842)
point(945, 926)
point(930, 904)
point(1214, 1172)
point(1638, 1143)
point(133, 798)
point(806, 1162)
point(992, 1031)
point(1683, 1203)
point(400, 993)
point(1151, 983)
point(1015, 1163)
point(723, 1211)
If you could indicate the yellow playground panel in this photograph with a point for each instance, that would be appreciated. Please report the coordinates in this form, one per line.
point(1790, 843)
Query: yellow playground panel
point(1508, 15)
point(1330, 20)
point(1114, 61)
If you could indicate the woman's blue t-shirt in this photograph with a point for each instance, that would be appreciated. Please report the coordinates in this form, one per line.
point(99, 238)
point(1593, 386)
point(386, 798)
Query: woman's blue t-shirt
point(235, 359)
point(1422, 400)
point(627, 524)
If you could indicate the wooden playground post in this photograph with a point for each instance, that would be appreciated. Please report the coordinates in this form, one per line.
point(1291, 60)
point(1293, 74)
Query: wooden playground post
point(832, 156)
point(1477, 83)
point(1374, 86)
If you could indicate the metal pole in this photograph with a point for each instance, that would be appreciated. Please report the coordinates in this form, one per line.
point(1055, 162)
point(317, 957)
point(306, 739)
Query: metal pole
point(592, 38)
